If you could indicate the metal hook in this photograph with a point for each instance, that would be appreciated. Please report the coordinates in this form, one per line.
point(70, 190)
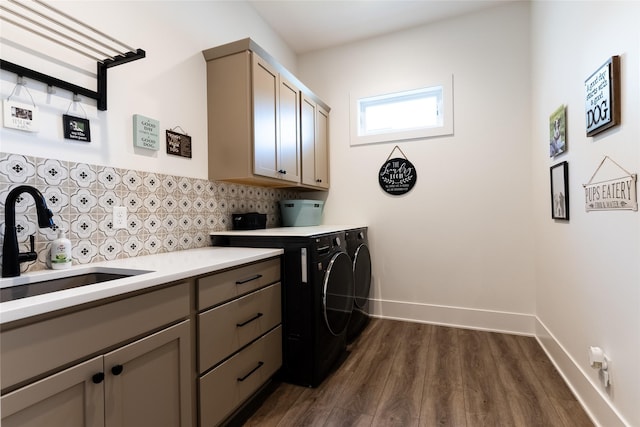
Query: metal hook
point(76, 99)
point(21, 82)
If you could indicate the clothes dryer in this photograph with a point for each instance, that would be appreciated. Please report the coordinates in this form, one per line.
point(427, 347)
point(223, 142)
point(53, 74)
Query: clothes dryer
point(358, 250)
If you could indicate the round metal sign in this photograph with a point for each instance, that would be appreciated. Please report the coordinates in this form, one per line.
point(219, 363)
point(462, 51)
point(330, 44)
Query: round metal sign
point(397, 176)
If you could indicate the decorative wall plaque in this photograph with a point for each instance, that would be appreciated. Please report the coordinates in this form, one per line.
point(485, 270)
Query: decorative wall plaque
point(178, 144)
point(602, 103)
point(146, 132)
point(398, 175)
point(611, 194)
point(76, 128)
point(21, 116)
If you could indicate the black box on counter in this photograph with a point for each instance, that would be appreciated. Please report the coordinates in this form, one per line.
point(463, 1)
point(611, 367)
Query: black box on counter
point(249, 221)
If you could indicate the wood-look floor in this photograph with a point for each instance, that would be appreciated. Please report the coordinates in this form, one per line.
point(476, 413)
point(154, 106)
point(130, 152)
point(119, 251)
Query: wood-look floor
point(411, 374)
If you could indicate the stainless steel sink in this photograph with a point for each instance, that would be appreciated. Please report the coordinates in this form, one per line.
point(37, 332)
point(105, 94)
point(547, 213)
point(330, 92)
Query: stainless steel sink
point(46, 286)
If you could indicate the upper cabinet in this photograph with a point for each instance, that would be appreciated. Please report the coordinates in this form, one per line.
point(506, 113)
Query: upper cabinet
point(314, 134)
point(265, 127)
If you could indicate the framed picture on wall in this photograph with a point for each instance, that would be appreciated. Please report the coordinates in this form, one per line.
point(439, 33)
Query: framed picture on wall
point(602, 92)
point(560, 191)
point(558, 132)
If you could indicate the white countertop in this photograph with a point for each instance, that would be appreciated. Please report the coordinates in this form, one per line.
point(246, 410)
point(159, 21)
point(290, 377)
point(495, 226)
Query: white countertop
point(161, 268)
point(289, 231)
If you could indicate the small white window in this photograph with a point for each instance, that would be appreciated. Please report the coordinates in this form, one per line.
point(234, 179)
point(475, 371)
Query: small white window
point(409, 114)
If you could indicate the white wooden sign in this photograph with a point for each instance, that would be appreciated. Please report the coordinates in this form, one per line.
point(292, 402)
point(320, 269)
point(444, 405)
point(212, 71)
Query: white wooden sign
point(602, 97)
point(611, 194)
point(21, 116)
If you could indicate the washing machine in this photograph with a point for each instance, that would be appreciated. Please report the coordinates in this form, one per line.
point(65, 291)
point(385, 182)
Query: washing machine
point(358, 251)
point(317, 296)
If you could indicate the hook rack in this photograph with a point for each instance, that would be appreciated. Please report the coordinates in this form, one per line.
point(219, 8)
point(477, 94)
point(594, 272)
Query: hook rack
point(118, 58)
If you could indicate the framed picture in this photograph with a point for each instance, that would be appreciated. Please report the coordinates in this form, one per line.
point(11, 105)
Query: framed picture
point(20, 116)
point(602, 92)
point(560, 191)
point(178, 144)
point(76, 128)
point(558, 132)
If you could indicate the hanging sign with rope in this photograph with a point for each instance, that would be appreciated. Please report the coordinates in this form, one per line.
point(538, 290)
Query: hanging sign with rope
point(397, 175)
point(613, 193)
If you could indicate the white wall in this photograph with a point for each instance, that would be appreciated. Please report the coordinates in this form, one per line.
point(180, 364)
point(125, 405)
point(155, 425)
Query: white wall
point(588, 270)
point(476, 232)
point(168, 85)
point(457, 249)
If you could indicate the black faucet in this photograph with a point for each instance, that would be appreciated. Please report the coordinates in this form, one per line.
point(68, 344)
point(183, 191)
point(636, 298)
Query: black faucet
point(11, 256)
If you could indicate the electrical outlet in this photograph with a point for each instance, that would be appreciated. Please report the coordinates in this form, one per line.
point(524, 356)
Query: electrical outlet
point(119, 217)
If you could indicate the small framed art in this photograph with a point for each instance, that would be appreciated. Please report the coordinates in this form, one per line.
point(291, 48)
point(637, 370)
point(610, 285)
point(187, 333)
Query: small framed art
point(558, 132)
point(76, 128)
point(560, 191)
point(178, 144)
point(21, 116)
point(602, 92)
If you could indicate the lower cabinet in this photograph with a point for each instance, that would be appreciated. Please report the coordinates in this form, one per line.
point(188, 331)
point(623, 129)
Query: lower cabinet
point(147, 383)
point(239, 337)
point(139, 361)
point(69, 398)
point(142, 384)
point(228, 385)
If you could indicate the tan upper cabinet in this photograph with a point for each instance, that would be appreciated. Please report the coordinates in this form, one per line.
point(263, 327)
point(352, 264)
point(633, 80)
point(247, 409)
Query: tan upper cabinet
point(254, 116)
point(275, 123)
point(314, 134)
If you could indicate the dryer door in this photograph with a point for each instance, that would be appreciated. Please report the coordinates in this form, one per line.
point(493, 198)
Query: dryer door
point(362, 275)
point(337, 293)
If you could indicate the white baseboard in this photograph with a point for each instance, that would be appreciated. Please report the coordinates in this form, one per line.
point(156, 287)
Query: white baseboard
point(590, 396)
point(468, 318)
point(595, 402)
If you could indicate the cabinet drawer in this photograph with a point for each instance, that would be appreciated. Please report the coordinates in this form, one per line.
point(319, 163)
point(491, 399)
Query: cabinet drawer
point(226, 328)
point(227, 386)
point(221, 287)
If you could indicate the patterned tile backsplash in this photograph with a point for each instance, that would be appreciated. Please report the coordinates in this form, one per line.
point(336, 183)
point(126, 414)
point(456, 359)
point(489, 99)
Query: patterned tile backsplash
point(164, 212)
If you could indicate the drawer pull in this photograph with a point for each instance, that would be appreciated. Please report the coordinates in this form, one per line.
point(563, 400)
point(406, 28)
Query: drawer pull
point(246, 322)
point(250, 373)
point(242, 282)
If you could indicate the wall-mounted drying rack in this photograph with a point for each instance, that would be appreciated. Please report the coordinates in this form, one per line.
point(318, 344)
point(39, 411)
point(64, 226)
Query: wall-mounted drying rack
point(33, 20)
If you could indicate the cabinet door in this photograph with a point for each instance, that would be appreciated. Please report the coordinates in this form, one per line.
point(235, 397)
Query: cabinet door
point(265, 118)
point(148, 382)
point(289, 131)
point(308, 140)
point(322, 148)
point(67, 399)
point(314, 127)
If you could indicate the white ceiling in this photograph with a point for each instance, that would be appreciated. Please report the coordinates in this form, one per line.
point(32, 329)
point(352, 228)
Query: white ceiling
point(307, 25)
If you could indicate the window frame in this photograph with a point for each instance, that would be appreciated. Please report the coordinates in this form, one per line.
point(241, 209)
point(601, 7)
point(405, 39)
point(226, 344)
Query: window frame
point(446, 108)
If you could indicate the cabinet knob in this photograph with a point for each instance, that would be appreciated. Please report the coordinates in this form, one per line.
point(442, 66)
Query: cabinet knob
point(282, 171)
point(318, 180)
point(98, 378)
point(117, 369)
